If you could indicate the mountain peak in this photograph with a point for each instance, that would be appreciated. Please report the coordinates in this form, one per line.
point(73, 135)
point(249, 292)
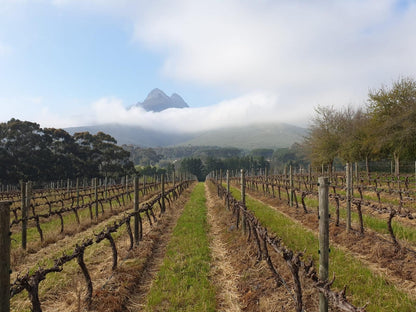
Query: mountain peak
point(157, 101)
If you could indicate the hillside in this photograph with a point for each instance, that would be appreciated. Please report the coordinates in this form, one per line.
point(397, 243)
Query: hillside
point(135, 135)
point(248, 137)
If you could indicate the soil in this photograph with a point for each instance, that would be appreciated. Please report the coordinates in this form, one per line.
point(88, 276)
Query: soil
point(375, 250)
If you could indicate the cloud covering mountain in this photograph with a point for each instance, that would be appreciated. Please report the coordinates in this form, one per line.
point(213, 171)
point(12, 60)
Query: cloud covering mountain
point(235, 61)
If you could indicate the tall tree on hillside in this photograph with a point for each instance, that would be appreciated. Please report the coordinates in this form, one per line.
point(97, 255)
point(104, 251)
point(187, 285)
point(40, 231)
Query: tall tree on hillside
point(25, 149)
point(194, 166)
point(356, 135)
point(101, 156)
point(323, 140)
point(64, 161)
point(393, 114)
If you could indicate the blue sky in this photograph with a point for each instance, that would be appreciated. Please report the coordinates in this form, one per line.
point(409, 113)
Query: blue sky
point(76, 62)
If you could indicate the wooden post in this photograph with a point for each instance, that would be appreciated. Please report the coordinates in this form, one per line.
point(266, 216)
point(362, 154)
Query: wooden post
point(77, 186)
point(291, 186)
point(220, 176)
point(243, 197)
point(96, 197)
point(348, 194)
point(105, 188)
point(243, 187)
point(28, 195)
point(323, 238)
point(356, 173)
point(163, 208)
point(228, 189)
point(5, 256)
point(24, 214)
point(174, 179)
point(136, 210)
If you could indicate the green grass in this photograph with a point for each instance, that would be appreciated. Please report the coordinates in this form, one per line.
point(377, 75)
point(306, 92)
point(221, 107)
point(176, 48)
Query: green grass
point(182, 283)
point(401, 231)
point(363, 284)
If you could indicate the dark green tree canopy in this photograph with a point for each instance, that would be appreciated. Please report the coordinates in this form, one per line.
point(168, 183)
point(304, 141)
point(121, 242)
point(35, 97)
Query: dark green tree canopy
point(28, 152)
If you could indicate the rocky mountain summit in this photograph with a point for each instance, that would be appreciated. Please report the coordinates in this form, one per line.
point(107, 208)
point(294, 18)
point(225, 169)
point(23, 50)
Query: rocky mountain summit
point(157, 101)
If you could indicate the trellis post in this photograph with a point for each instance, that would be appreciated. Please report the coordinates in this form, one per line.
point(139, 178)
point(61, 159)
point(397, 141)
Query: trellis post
point(136, 210)
point(228, 190)
point(24, 214)
point(163, 208)
point(243, 197)
point(96, 197)
point(5, 256)
point(348, 193)
point(291, 186)
point(323, 238)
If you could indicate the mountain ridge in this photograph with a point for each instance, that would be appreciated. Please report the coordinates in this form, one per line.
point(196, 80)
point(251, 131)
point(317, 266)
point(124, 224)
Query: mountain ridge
point(272, 135)
point(157, 101)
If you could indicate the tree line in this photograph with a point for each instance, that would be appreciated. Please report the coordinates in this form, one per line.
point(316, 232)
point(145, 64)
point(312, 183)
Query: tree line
point(201, 167)
point(384, 128)
point(29, 152)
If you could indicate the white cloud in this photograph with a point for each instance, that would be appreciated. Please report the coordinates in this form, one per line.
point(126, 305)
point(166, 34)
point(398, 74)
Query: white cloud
point(306, 52)
point(45, 112)
point(247, 109)
point(294, 48)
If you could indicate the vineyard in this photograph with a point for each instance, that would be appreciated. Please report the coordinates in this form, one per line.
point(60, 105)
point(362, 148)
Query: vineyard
point(239, 243)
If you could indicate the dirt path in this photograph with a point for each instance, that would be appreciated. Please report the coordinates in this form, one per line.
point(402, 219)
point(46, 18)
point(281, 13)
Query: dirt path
point(244, 284)
point(223, 273)
point(157, 242)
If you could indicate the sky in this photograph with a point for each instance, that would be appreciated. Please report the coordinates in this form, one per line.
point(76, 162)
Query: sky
point(70, 63)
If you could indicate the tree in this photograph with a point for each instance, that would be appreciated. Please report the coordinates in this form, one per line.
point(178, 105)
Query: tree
point(25, 149)
point(323, 141)
point(393, 113)
point(194, 166)
point(28, 152)
point(262, 152)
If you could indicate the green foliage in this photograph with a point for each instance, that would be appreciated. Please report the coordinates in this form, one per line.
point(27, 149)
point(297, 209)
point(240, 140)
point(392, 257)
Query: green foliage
point(28, 152)
point(324, 136)
point(393, 114)
point(194, 166)
point(149, 170)
point(151, 156)
point(183, 281)
point(267, 153)
point(293, 155)
point(386, 128)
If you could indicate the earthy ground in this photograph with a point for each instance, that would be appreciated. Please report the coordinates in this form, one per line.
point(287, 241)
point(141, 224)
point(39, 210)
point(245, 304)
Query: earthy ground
point(242, 282)
point(375, 250)
point(248, 284)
